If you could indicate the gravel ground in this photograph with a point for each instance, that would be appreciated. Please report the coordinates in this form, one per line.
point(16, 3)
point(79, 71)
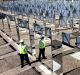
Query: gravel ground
point(9, 63)
point(5, 50)
point(2, 42)
point(73, 72)
point(30, 72)
point(70, 63)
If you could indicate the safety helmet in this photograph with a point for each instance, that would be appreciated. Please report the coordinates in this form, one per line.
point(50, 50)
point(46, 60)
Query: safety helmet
point(21, 41)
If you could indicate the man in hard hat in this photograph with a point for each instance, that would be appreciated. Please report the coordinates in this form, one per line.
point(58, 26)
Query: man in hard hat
point(42, 49)
point(23, 53)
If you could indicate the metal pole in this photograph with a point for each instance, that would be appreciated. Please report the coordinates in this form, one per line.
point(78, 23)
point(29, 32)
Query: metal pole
point(79, 25)
point(8, 25)
point(17, 29)
point(3, 23)
point(30, 37)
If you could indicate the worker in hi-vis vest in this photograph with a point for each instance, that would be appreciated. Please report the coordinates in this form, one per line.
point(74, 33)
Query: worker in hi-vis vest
point(42, 49)
point(23, 53)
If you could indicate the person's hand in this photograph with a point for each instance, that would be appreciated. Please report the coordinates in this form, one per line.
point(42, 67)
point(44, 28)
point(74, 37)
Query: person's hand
point(18, 54)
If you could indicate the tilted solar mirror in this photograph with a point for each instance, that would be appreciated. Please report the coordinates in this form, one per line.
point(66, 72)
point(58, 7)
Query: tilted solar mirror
point(38, 29)
point(12, 18)
point(23, 23)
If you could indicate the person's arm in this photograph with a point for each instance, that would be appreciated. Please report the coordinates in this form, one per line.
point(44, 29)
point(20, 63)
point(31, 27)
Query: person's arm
point(18, 49)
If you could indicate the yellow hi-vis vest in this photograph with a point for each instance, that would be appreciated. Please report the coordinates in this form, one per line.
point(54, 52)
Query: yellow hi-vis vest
point(23, 49)
point(42, 44)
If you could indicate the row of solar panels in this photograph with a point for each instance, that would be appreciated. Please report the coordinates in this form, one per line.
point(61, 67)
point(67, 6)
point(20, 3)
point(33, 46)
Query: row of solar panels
point(45, 9)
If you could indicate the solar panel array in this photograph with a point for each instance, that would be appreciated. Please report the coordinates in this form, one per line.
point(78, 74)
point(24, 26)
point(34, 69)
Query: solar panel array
point(48, 9)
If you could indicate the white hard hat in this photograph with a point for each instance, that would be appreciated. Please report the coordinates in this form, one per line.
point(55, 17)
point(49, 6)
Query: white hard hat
point(21, 41)
point(42, 36)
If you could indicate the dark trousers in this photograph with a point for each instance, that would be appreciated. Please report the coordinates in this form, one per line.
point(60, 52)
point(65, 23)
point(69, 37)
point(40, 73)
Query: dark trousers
point(41, 52)
point(24, 57)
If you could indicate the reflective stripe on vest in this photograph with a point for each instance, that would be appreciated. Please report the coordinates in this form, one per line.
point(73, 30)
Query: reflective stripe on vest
point(42, 44)
point(23, 49)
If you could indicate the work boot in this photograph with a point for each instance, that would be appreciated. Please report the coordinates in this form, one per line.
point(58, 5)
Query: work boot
point(22, 66)
point(29, 64)
point(44, 57)
point(39, 59)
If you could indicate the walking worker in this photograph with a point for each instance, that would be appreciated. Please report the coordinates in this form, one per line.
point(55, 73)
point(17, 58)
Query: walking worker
point(23, 53)
point(42, 46)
